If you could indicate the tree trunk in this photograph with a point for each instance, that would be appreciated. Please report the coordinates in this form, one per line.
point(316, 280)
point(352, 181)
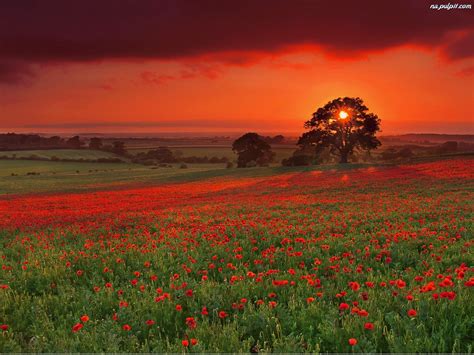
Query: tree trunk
point(343, 158)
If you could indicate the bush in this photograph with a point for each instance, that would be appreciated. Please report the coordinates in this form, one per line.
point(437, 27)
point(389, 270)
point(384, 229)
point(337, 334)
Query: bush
point(393, 154)
point(448, 147)
point(297, 160)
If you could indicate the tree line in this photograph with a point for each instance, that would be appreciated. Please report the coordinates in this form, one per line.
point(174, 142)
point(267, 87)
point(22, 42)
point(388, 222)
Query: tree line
point(342, 130)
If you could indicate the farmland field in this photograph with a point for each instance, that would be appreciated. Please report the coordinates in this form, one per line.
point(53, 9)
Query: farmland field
point(80, 176)
point(360, 258)
point(59, 153)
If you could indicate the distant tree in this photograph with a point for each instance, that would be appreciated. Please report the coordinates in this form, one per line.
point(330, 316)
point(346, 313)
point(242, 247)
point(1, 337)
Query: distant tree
point(54, 141)
point(448, 147)
point(252, 150)
point(160, 155)
point(343, 125)
point(95, 143)
point(163, 155)
point(74, 142)
point(301, 157)
point(119, 148)
point(278, 139)
point(13, 141)
point(392, 153)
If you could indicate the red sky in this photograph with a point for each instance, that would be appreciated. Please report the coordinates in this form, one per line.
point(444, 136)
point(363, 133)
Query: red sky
point(234, 65)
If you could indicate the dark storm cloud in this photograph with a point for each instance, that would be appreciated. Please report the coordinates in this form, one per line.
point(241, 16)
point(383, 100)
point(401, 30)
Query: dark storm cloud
point(90, 30)
point(462, 47)
point(15, 72)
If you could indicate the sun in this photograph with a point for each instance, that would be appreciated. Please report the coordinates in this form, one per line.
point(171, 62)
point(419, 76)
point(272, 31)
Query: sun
point(343, 115)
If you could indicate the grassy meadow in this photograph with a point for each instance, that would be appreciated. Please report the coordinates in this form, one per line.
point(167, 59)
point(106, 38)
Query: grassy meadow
point(82, 176)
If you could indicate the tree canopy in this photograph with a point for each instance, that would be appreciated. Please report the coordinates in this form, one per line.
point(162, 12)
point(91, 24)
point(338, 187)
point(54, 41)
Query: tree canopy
point(252, 150)
point(343, 126)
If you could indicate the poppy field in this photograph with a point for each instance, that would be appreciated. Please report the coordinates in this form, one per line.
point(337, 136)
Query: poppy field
point(370, 259)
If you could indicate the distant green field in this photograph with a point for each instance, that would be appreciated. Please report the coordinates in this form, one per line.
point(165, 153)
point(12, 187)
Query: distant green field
point(51, 176)
point(16, 175)
point(60, 153)
point(78, 176)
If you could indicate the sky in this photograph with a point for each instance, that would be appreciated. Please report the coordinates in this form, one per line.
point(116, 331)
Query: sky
point(232, 65)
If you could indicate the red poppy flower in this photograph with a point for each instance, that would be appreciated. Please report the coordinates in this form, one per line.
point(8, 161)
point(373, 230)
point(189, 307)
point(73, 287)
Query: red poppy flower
point(343, 306)
point(369, 326)
point(411, 313)
point(4, 327)
point(222, 314)
point(185, 343)
point(150, 322)
point(354, 286)
point(191, 322)
point(126, 327)
point(194, 341)
point(84, 318)
point(352, 341)
point(363, 313)
point(77, 327)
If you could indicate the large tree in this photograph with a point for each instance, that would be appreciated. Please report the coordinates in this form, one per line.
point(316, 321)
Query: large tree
point(343, 126)
point(252, 150)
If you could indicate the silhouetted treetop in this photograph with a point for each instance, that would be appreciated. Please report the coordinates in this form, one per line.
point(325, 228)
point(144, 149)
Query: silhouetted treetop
point(343, 125)
point(252, 150)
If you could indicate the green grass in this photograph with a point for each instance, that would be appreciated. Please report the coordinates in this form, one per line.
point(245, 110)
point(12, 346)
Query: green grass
point(77, 176)
point(81, 176)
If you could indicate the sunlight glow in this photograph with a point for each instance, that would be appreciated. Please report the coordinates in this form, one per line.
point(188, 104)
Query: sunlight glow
point(343, 115)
